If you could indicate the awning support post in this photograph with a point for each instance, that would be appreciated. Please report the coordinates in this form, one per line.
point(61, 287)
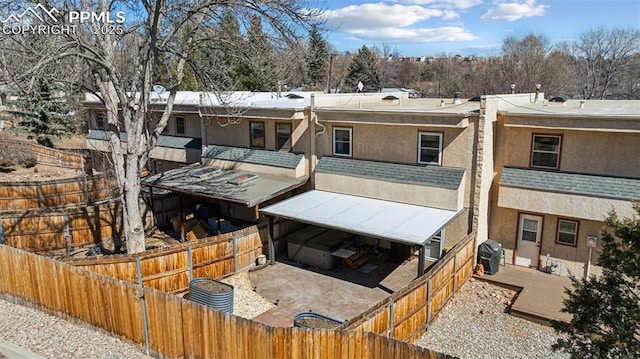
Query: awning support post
point(272, 248)
point(421, 261)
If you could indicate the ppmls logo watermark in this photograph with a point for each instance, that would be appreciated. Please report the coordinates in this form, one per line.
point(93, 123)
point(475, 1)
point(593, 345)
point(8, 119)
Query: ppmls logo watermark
point(40, 20)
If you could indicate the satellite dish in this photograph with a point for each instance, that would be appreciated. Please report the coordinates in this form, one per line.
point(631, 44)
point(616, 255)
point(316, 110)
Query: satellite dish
point(159, 89)
point(360, 86)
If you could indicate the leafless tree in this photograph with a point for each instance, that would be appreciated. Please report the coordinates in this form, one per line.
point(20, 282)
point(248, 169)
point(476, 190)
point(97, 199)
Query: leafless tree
point(604, 57)
point(523, 61)
point(151, 27)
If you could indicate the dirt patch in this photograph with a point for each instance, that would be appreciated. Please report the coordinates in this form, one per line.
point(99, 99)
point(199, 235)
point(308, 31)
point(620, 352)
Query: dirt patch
point(212, 286)
point(154, 240)
point(17, 164)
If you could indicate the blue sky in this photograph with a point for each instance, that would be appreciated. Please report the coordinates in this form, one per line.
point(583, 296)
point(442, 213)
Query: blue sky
point(467, 27)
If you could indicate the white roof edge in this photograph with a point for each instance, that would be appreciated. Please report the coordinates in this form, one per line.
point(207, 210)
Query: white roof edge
point(394, 221)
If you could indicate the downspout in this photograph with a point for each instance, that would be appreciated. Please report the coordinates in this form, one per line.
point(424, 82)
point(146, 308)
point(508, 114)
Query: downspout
point(314, 134)
point(204, 125)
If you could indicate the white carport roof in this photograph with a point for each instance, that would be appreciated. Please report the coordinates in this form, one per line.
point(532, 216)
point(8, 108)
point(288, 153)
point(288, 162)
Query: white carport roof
point(398, 222)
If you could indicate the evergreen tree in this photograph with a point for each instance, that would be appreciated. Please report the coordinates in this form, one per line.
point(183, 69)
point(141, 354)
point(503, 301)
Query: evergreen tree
point(316, 58)
point(45, 116)
point(262, 62)
point(364, 68)
point(606, 309)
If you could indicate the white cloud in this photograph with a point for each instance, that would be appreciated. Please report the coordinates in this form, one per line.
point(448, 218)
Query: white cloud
point(421, 35)
point(376, 15)
point(514, 10)
point(397, 23)
point(448, 4)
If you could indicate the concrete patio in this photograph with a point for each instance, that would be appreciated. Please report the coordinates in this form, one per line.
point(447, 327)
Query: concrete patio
point(341, 293)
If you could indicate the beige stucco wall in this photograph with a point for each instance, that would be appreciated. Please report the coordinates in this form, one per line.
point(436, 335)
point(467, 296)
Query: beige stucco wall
point(608, 153)
point(169, 154)
point(421, 195)
point(562, 204)
point(504, 229)
point(399, 144)
point(457, 230)
point(612, 153)
point(191, 124)
point(238, 134)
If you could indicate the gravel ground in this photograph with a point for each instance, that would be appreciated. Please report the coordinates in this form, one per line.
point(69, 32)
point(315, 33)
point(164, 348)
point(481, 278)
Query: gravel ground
point(53, 337)
point(474, 325)
point(246, 303)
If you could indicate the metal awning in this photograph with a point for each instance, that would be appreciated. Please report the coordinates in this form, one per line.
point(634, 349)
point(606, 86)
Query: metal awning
point(201, 181)
point(397, 222)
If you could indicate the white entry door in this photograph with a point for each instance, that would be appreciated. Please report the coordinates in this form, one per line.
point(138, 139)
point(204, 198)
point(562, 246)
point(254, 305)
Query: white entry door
point(528, 246)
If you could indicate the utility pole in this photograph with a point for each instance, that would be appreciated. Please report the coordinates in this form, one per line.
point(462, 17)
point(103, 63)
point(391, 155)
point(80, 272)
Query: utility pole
point(329, 74)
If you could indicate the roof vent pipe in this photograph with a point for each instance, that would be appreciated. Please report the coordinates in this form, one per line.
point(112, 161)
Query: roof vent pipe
point(456, 98)
point(581, 104)
point(441, 103)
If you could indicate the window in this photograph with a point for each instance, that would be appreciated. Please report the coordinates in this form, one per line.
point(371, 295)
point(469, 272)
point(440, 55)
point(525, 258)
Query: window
point(256, 132)
point(180, 130)
point(100, 121)
point(434, 248)
point(567, 232)
point(342, 141)
point(546, 151)
point(283, 136)
point(430, 148)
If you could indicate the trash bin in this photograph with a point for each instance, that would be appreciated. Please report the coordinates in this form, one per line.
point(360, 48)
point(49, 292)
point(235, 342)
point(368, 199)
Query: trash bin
point(489, 253)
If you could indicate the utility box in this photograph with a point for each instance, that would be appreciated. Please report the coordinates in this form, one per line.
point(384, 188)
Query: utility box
point(489, 253)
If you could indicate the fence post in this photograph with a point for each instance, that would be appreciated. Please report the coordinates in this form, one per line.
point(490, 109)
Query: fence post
point(85, 189)
point(40, 196)
point(428, 301)
point(67, 233)
point(1, 232)
point(144, 306)
point(190, 259)
point(391, 319)
point(455, 272)
point(235, 255)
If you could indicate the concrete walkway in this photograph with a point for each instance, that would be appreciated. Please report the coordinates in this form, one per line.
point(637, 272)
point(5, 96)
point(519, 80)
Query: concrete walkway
point(541, 294)
point(11, 351)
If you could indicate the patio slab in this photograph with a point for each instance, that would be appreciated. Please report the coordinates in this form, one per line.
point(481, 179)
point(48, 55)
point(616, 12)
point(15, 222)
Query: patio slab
point(341, 294)
point(541, 295)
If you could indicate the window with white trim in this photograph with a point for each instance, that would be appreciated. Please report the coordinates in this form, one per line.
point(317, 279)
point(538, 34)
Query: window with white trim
point(180, 126)
point(342, 144)
point(567, 232)
point(545, 151)
point(430, 148)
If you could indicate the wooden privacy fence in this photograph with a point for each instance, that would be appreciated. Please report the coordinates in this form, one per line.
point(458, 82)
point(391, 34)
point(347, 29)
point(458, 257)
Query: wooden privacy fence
point(46, 155)
point(407, 313)
point(57, 158)
point(169, 326)
point(170, 269)
point(44, 230)
point(80, 190)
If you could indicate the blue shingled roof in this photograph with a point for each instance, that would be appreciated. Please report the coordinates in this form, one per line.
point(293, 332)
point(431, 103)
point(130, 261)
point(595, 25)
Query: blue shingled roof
point(573, 183)
point(163, 141)
point(253, 155)
point(437, 176)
